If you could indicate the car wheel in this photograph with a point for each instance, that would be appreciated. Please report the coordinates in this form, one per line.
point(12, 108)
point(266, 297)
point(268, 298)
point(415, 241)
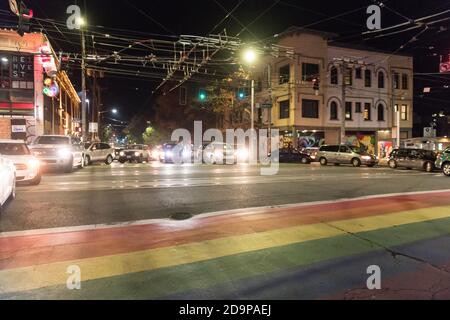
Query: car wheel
point(392, 164)
point(356, 163)
point(109, 160)
point(69, 167)
point(37, 180)
point(305, 161)
point(82, 163)
point(323, 161)
point(446, 169)
point(13, 192)
point(429, 167)
point(122, 161)
point(87, 161)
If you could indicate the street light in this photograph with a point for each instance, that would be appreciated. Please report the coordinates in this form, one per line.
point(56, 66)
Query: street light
point(113, 111)
point(249, 56)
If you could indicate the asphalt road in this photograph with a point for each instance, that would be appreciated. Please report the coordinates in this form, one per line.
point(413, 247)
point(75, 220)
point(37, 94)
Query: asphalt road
point(103, 194)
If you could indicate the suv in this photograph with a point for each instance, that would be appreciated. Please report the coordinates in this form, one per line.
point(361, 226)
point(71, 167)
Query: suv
point(345, 155)
point(412, 159)
point(443, 162)
point(98, 152)
point(138, 153)
point(62, 152)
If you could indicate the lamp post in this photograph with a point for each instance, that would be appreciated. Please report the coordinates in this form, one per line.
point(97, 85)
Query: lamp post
point(113, 111)
point(250, 57)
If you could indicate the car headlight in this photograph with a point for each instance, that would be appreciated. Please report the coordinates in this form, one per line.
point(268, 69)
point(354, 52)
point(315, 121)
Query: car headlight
point(34, 163)
point(169, 154)
point(218, 154)
point(137, 154)
point(64, 153)
point(366, 157)
point(122, 154)
point(242, 153)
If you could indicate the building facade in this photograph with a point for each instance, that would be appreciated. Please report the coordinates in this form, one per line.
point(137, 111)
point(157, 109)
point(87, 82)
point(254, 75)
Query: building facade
point(326, 83)
point(25, 111)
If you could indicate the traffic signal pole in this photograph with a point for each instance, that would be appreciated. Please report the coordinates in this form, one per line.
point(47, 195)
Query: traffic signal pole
point(83, 86)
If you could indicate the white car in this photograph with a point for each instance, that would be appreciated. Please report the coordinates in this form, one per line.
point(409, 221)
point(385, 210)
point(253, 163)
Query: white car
point(27, 166)
point(62, 152)
point(7, 181)
point(98, 152)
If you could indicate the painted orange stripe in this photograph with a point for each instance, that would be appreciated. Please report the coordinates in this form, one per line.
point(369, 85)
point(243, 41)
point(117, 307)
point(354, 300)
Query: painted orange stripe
point(35, 250)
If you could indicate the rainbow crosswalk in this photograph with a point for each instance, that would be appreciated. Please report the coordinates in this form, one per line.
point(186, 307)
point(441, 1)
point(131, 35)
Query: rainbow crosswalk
point(308, 251)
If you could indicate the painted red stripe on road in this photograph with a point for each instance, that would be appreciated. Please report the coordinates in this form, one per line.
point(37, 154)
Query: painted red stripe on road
point(40, 249)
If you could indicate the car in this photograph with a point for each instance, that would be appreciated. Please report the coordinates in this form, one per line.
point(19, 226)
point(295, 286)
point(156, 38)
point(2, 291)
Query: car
point(443, 162)
point(117, 151)
point(219, 153)
point(293, 156)
point(312, 152)
point(412, 159)
point(135, 153)
point(28, 168)
point(343, 154)
point(7, 181)
point(98, 152)
point(173, 152)
point(59, 152)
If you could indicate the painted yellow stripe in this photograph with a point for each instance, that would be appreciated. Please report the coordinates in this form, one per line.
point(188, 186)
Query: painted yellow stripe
point(29, 278)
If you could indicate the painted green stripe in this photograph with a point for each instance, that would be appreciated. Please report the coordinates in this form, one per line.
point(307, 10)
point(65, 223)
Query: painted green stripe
point(162, 282)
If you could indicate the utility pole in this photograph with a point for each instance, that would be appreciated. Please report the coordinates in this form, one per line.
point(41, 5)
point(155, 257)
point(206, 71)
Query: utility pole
point(83, 85)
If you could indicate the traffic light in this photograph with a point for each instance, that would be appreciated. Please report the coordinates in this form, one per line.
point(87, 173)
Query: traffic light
point(316, 86)
point(25, 15)
point(241, 94)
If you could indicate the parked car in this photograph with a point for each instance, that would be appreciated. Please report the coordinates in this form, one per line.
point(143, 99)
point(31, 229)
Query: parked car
point(294, 156)
point(98, 152)
point(343, 154)
point(27, 166)
point(443, 162)
point(60, 152)
point(412, 159)
point(7, 181)
point(312, 152)
point(135, 153)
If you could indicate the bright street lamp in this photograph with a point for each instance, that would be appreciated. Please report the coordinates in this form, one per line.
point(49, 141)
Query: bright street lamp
point(250, 56)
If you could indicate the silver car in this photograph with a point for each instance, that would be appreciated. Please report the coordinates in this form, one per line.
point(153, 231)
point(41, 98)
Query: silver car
point(343, 154)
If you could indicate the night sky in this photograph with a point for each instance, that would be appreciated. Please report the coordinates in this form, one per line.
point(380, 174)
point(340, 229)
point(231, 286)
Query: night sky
point(264, 18)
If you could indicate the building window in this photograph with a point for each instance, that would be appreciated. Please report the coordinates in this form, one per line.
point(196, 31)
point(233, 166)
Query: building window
point(284, 109)
point(348, 111)
point(381, 80)
point(358, 73)
point(334, 76)
point(348, 77)
point(380, 112)
point(310, 71)
point(367, 112)
point(404, 112)
point(368, 78)
point(405, 81)
point(310, 108)
point(358, 107)
point(333, 111)
point(284, 74)
point(396, 79)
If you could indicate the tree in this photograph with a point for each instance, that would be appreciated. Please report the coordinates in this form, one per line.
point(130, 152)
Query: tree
point(152, 137)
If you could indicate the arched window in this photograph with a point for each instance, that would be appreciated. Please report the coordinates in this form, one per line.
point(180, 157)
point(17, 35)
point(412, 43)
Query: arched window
point(334, 75)
point(381, 80)
point(333, 111)
point(380, 112)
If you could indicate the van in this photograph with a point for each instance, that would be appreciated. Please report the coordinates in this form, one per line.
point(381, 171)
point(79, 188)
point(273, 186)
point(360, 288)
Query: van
point(343, 154)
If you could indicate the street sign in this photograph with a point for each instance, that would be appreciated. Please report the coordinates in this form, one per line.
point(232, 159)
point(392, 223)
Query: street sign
point(266, 106)
point(18, 128)
point(14, 7)
point(93, 127)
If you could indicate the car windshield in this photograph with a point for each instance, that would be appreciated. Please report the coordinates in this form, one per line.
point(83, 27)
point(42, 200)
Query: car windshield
point(52, 140)
point(14, 149)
